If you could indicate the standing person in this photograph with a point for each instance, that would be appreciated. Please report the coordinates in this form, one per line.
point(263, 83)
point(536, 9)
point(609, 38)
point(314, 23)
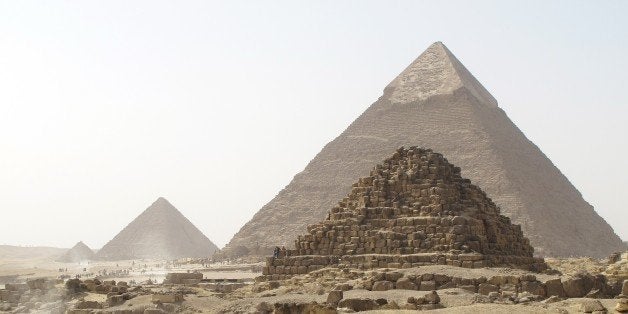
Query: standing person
point(276, 252)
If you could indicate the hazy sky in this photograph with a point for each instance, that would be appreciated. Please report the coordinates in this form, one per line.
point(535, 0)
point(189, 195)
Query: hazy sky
point(107, 105)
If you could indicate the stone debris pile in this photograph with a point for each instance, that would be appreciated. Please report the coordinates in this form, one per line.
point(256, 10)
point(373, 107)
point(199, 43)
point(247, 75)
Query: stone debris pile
point(413, 210)
point(41, 294)
point(617, 266)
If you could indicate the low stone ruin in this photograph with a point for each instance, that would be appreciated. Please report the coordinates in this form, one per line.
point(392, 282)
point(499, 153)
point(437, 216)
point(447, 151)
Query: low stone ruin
point(413, 210)
point(40, 294)
point(223, 285)
point(183, 278)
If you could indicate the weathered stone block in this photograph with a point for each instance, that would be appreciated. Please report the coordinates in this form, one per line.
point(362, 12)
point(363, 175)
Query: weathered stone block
point(432, 298)
point(167, 298)
point(533, 287)
point(428, 285)
point(393, 276)
point(554, 287)
point(88, 305)
point(334, 297)
point(405, 284)
point(358, 304)
point(486, 288)
point(383, 285)
point(576, 287)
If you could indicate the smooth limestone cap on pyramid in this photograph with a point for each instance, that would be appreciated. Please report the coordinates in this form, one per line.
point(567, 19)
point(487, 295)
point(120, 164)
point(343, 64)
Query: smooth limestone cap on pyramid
point(160, 232)
point(436, 102)
point(435, 72)
point(414, 209)
point(78, 253)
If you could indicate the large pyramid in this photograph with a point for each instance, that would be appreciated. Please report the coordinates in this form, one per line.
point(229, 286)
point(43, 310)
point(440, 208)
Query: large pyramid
point(435, 102)
point(78, 253)
point(413, 209)
point(160, 232)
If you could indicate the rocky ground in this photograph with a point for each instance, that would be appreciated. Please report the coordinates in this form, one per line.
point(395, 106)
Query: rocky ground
point(571, 286)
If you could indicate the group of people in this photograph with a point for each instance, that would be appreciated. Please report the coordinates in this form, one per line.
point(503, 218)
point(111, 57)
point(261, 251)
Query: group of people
point(280, 252)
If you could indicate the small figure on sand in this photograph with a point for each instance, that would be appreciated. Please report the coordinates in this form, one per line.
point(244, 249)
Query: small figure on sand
point(283, 252)
point(276, 252)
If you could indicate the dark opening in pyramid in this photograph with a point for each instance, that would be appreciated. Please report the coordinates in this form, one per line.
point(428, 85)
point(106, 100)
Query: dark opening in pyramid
point(437, 103)
point(413, 209)
point(78, 253)
point(160, 232)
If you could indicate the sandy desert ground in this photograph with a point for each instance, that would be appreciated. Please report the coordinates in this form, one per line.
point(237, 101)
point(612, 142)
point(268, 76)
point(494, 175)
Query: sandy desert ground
point(138, 287)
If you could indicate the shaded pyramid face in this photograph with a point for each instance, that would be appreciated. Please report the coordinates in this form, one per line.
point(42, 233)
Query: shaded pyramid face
point(79, 252)
point(437, 103)
point(413, 208)
point(160, 232)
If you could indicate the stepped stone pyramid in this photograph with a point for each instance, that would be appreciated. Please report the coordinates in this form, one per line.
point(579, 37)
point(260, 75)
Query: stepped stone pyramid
point(414, 209)
point(435, 102)
point(160, 232)
point(79, 252)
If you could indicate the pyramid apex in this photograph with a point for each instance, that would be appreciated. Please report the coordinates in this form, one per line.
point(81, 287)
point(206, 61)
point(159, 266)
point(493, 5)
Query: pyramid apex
point(161, 231)
point(161, 201)
point(435, 72)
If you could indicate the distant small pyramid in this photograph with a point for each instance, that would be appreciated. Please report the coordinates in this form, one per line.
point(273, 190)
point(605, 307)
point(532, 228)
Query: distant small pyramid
point(160, 232)
point(78, 253)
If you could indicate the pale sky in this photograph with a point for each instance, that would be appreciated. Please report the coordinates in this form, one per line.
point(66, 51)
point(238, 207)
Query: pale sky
point(107, 105)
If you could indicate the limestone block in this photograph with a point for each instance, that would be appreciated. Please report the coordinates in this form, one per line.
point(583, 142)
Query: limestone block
point(358, 304)
point(383, 285)
point(554, 287)
point(167, 298)
point(589, 306)
point(470, 288)
point(405, 284)
point(533, 287)
point(508, 287)
point(393, 276)
point(527, 277)
point(427, 285)
point(498, 280)
point(115, 300)
point(334, 297)
point(622, 306)
point(576, 287)
point(432, 298)
point(88, 305)
point(486, 288)
point(176, 278)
